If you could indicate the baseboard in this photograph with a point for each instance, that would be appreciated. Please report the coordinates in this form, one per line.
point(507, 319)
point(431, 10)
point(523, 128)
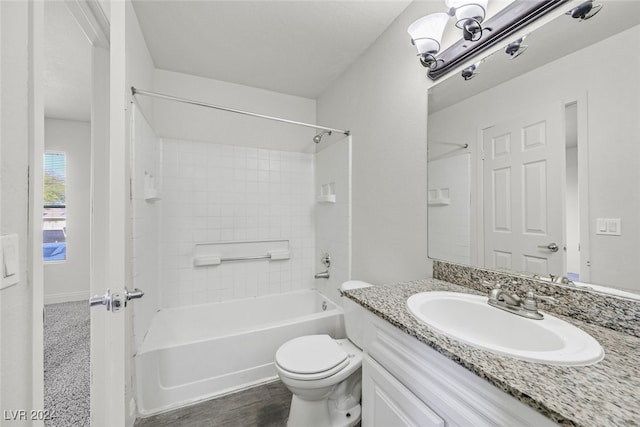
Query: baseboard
point(66, 297)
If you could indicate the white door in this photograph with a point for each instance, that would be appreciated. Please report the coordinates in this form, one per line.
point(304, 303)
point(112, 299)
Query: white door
point(523, 166)
point(108, 213)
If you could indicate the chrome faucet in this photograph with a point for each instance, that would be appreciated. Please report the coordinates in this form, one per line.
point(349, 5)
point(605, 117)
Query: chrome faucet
point(498, 295)
point(326, 261)
point(527, 307)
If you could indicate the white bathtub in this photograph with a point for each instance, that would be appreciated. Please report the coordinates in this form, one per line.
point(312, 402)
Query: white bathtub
point(198, 352)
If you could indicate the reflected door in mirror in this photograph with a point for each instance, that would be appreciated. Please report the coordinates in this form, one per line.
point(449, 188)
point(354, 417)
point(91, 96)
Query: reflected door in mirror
point(522, 175)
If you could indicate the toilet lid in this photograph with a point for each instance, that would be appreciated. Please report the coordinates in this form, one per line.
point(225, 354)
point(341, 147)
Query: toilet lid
point(311, 354)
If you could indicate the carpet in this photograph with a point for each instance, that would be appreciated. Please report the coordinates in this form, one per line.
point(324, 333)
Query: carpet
point(66, 364)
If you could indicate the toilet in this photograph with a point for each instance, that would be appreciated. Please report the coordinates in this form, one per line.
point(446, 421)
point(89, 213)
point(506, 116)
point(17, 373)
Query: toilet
point(324, 374)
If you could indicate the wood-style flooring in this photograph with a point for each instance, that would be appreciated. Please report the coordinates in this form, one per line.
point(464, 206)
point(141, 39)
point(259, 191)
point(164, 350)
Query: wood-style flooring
point(264, 406)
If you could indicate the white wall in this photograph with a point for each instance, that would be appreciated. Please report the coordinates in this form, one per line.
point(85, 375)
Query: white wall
point(17, 305)
point(333, 220)
point(573, 211)
point(226, 193)
point(612, 130)
point(181, 121)
point(382, 99)
point(69, 280)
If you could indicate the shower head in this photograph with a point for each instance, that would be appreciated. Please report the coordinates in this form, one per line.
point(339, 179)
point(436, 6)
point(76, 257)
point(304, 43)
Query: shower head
point(318, 137)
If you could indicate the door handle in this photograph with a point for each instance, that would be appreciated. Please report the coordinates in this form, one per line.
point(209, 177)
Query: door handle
point(135, 294)
point(116, 301)
point(101, 300)
point(553, 247)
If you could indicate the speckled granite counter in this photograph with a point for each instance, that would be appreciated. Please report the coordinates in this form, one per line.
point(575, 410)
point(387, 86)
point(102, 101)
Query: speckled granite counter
point(604, 394)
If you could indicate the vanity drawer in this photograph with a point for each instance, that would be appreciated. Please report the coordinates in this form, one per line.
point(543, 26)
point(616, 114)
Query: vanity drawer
point(455, 394)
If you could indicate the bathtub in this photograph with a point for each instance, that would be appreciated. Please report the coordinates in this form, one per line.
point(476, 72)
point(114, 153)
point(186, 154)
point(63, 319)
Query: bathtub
point(199, 352)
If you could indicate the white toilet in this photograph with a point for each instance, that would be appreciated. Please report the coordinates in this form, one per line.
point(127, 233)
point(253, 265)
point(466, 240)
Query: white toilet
point(324, 374)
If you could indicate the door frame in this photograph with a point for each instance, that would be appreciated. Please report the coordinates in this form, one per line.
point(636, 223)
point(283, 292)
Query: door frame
point(35, 263)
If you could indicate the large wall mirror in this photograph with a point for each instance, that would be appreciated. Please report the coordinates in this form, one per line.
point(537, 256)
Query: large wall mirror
point(534, 161)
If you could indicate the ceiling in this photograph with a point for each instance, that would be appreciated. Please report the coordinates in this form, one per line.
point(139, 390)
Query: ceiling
point(294, 47)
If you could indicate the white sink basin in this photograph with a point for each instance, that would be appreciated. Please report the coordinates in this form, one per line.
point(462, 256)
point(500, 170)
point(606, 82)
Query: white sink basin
point(468, 318)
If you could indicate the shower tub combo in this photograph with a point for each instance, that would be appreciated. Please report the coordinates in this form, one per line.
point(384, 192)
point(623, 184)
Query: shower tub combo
point(199, 352)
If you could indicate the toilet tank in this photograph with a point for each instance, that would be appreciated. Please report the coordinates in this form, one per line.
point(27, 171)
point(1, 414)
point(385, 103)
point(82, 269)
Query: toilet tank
point(354, 313)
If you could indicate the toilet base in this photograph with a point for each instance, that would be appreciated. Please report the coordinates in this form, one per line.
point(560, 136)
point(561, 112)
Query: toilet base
point(347, 418)
point(321, 413)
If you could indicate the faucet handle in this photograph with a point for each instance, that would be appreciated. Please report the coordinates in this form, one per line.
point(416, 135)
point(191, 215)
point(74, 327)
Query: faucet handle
point(566, 281)
point(531, 300)
point(490, 284)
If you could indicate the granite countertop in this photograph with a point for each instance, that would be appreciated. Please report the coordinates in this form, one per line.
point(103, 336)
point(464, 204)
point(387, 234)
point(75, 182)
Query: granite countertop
point(604, 394)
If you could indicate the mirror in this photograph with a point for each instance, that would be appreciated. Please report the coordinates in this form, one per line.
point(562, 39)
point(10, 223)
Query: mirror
point(534, 160)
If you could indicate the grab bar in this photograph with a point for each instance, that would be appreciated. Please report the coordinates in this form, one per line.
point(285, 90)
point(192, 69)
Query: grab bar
point(245, 258)
point(204, 260)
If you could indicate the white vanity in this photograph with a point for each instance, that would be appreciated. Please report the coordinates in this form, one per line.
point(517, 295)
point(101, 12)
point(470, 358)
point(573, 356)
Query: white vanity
point(415, 376)
point(406, 382)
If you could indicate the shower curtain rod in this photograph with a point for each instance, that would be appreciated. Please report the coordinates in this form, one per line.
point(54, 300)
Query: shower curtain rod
point(464, 145)
point(135, 91)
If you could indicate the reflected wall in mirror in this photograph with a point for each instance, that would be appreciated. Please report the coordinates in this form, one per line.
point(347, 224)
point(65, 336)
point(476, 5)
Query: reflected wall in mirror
point(534, 163)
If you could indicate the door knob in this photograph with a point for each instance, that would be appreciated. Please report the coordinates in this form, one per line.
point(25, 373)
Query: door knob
point(101, 300)
point(136, 293)
point(553, 247)
point(116, 301)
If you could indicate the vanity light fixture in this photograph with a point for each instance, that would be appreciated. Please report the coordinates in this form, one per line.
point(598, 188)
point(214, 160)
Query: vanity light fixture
point(471, 71)
point(480, 34)
point(426, 34)
point(469, 17)
point(516, 48)
point(585, 10)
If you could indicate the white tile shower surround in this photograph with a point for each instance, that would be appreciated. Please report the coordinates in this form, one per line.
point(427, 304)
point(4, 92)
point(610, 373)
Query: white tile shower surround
point(214, 192)
point(145, 157)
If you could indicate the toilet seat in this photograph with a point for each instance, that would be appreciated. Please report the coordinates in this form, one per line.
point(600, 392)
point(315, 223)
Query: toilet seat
point(311, 357)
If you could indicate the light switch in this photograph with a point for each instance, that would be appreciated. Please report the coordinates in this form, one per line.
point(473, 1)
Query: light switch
point(608, 226)
point(10, 260)
point(613, 226)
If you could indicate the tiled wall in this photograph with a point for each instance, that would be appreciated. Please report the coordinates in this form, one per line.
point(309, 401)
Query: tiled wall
point(449, 208)
point(145, 157)
point(215, 192)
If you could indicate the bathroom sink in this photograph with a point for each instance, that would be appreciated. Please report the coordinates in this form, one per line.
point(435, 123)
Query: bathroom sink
point(468, 318)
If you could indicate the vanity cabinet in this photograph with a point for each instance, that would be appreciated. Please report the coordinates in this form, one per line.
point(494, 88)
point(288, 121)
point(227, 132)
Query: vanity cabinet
point(407, 383)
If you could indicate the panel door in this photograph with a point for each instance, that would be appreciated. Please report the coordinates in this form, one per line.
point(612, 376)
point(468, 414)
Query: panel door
point(523, 169)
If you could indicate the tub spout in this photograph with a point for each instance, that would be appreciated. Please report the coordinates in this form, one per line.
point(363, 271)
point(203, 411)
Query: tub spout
point(323, 275)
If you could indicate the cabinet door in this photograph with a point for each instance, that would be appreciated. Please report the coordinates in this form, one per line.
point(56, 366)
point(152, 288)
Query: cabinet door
point(386, 402)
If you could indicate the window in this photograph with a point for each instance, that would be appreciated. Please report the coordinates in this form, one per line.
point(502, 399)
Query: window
point(54, 219)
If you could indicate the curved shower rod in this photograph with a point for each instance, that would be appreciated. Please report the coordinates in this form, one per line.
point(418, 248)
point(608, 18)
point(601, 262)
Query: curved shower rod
point(136, 91)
